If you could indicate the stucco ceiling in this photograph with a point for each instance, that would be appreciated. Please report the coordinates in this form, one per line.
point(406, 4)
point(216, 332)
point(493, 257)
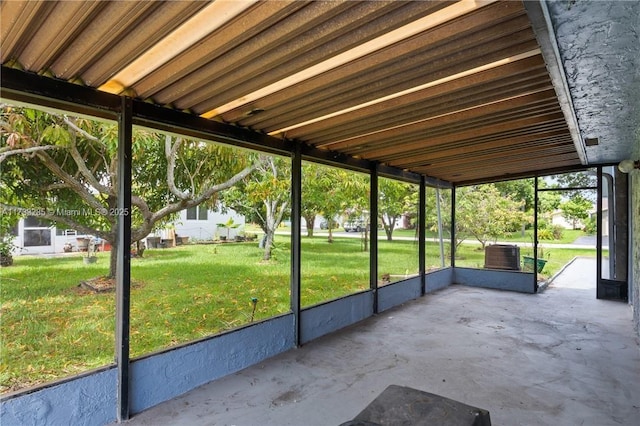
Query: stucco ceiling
point(459, 91)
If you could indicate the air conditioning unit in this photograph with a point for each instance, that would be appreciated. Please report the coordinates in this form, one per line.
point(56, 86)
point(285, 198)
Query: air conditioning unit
point(502, 256)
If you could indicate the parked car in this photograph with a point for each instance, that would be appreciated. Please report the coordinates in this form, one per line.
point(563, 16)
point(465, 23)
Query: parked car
point(325, 225)
point(354, 225)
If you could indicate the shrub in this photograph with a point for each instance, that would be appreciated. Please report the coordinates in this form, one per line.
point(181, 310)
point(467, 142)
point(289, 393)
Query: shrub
point(590, 226)
point(545, 234)
point(557, 232)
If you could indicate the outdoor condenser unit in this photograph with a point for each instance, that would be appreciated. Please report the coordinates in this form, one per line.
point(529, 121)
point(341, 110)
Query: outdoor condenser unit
point(502, 256)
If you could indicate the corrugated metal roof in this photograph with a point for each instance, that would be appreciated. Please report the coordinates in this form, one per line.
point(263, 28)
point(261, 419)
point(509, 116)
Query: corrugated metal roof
point(453, 90)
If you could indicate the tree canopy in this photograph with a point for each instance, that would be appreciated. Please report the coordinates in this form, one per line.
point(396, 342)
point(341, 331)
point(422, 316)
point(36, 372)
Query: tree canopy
point(485, 214)
point(396, 199)
point(264, 198)
point(64, 168)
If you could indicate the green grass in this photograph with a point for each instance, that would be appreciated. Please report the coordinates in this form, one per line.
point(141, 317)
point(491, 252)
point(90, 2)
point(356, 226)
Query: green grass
point(51, 329)
point(568, 237)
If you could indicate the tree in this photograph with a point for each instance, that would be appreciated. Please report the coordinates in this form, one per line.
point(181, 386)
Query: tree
point(228, 226)
point(314, 195)
point(582, 179)
point(576, 209)
point(434, 198)
point(520, 190)
point(355, 189)
point(482, 212)
point(264, 198)
point(323, 193)
point(394, 201)
point(548, 201)
point(65, 169)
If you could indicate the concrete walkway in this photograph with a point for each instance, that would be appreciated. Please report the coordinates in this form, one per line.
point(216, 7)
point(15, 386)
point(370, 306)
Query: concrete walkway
point(558, 358)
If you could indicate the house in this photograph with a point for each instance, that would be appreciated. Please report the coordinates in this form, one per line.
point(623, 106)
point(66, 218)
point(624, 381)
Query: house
point(203, 224)
point(558, 219)
point(37, 236)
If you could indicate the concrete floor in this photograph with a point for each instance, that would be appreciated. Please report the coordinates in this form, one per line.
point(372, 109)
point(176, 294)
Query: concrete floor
point(558, 358)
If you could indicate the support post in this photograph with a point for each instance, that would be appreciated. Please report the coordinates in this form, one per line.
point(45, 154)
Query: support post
point(453, 226)
point(535, 234)
point(123, 271)
point(373, 231)
point(296, 212)
point(440, 233)
point(422, 234)
point(599, 230)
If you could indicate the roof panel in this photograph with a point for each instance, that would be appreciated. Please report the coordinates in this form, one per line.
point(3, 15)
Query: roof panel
point(443, 43)
point(322, 41)
point(431, 87)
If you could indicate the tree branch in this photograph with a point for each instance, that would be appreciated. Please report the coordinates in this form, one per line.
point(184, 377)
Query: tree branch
point(84, 170)
point(76, 186)
point(75, 127)
point(5, 153)
point(171, 153)
point(186, 203)
point(80, 162)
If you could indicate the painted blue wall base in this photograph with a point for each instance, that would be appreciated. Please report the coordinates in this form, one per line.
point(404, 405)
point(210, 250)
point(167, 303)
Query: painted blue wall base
point(398, 293)
point(164, 376)
point(323, 319)
point(89, 400)
point(439, 279)
point(501, 280)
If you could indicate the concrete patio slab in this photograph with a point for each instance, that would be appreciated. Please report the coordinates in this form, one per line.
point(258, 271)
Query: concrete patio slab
point(561, 357)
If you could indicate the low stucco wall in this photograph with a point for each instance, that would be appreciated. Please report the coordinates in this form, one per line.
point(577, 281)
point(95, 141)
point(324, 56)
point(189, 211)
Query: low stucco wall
point(439, 279)
point(400, 292)
point(500, 280)
point(89, 400)
point(397, 293)
point(323, 319)
point(160, 377)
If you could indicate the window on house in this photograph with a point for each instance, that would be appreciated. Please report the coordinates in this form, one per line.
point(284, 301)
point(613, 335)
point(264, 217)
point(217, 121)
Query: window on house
point(197, 213)
point(35, 222)
point(37, 237)
point(202, 212)
point(192, 213)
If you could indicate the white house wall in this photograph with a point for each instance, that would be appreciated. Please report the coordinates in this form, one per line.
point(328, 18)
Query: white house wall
point(57, 241)
point(208, 229)
point(194, 229)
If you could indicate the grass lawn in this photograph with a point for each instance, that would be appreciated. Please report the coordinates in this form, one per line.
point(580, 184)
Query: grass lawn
point(568, 237)
point(50, 328)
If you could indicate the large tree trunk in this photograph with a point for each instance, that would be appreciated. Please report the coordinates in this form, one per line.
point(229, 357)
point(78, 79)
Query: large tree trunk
point(310, 219)
point(113, 259)
point(268, 244)
point(389, 231)
point(365, 240)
